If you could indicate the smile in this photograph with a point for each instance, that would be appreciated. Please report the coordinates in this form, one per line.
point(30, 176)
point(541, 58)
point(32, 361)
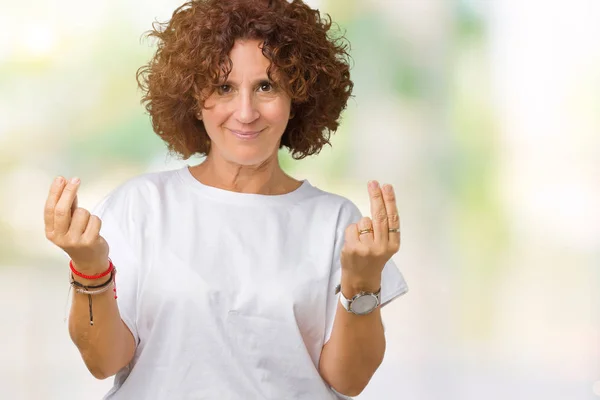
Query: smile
point(246, 135)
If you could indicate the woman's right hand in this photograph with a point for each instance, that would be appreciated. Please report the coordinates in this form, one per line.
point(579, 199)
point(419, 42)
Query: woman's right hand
point(74, 229)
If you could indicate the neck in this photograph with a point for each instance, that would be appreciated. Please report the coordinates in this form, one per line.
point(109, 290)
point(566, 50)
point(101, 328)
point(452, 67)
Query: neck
point(265, 178)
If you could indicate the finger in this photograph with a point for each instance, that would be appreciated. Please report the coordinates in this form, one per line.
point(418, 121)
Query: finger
point(79, 222)
point(365, 230)
point(62, 211)
point(92, 230)
point(378, 213)
point(351, 233)
point(56, 190)
point(74, 206)
point(389, 198)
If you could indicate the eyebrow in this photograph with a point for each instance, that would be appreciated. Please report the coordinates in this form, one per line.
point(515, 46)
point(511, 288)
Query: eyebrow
point(256, 81)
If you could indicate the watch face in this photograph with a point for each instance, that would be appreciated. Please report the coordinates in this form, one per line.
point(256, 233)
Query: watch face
point(364, 304)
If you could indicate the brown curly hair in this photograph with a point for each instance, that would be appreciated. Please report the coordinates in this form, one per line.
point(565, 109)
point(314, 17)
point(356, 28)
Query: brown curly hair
point(192, 59)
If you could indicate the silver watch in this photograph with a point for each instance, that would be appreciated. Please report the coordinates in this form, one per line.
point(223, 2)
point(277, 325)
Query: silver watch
point(361, 304)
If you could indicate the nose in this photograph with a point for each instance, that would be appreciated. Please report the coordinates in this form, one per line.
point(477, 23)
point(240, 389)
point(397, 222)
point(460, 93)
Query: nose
point(246, 111)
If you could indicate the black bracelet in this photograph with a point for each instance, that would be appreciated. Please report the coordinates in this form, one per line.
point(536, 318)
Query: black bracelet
point(80, 285)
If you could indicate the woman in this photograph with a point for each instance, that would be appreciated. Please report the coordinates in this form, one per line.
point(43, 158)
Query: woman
point(228, 271)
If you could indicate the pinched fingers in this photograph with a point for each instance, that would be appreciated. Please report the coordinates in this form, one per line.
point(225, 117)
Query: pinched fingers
point(92, 230)
point(79, 222)
point(378, 213)
point(63, 208)
point(74, 206)
point(365, 230)
point(56, 190)
point(393, 218)
point(351, 233)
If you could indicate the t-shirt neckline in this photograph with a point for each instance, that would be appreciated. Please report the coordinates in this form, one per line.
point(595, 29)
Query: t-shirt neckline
point(243, 198)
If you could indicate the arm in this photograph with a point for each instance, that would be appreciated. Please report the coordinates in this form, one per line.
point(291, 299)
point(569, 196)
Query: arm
point(356, 347)
point(357, 343)
point(108, 345)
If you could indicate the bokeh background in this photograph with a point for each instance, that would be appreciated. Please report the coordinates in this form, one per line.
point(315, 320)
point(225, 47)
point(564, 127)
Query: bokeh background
point(485, 115)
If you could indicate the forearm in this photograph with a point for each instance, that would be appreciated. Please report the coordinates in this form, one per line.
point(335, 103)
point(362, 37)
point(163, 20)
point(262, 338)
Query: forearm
point(107, 345)
point(356, 347)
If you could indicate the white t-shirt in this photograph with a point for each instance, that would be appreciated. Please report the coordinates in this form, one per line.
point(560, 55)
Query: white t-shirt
point(228, 295)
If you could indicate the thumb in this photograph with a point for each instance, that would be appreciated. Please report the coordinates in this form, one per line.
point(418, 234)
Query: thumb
point(351, 233)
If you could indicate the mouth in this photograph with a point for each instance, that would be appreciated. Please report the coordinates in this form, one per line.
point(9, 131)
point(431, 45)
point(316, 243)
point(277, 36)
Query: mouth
point(246, 135)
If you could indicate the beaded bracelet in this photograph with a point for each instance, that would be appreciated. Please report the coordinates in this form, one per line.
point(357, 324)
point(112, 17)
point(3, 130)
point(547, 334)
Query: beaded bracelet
point(83, 289)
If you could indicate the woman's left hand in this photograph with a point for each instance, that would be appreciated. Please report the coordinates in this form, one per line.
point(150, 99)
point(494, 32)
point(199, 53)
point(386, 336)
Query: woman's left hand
point(371, 242)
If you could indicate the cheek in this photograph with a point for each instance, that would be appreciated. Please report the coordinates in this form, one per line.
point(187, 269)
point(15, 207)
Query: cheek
point(214, 117)
point(277, 112)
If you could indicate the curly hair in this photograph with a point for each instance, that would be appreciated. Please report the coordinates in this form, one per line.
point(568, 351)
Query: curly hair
point(192, 59)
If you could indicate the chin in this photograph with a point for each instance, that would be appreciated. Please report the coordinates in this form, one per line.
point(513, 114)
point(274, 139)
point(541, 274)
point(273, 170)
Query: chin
point(249, 157)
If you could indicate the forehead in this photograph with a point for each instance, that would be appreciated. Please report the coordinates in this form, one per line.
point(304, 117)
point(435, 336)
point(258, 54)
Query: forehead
point(247, 59)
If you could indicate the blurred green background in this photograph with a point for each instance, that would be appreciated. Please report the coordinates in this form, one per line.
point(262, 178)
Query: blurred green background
point(485, 115)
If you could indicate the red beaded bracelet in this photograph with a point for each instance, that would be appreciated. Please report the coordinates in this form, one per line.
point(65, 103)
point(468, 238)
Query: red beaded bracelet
point(97, 276)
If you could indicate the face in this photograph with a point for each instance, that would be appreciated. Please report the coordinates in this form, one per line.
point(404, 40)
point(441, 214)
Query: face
point(247, 115)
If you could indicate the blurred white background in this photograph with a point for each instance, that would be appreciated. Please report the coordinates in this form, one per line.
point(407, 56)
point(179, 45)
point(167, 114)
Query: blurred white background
point(485, 115)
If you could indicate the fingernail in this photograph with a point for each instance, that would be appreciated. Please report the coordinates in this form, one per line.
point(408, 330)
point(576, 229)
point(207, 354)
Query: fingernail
point(58, 180)
point(387, 188)
point(373, 184)
point(75, 181)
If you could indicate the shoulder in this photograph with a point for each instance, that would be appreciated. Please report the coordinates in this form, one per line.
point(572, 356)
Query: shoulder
point(148, 183)
point(137, 194)
point(337, 204)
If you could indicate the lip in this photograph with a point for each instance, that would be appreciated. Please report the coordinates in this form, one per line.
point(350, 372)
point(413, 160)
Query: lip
point(245, 135)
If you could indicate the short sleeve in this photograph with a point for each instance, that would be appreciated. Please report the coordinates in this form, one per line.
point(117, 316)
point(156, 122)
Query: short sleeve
point(393, 284)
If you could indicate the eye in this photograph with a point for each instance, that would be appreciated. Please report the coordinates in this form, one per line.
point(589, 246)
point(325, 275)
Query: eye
point(224, 89)
point(265, 86)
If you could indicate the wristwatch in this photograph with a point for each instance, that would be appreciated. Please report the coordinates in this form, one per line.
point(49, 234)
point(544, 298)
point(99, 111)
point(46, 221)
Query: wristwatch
point(361, 304)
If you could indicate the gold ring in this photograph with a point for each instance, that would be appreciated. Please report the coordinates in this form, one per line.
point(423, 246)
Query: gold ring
point(365, 231)
point(396, 230)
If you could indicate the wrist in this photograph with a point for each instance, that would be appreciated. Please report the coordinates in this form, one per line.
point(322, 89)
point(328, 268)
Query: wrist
point(352, 285)
point(91, 275)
